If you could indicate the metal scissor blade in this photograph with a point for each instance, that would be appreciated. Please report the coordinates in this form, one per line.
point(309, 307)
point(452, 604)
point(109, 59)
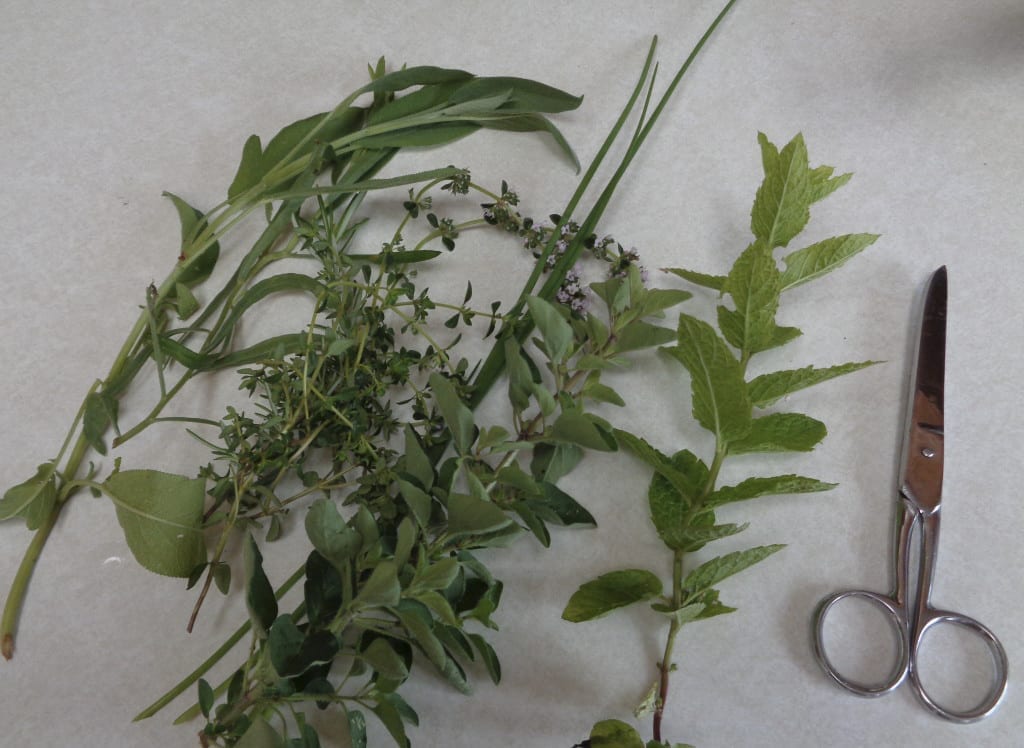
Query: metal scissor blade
point(921, 472)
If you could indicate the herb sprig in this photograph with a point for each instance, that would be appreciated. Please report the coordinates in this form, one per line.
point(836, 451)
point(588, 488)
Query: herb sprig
point(684, 494)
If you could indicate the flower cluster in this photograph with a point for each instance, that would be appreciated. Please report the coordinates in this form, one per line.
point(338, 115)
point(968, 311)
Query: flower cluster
point(572, 293)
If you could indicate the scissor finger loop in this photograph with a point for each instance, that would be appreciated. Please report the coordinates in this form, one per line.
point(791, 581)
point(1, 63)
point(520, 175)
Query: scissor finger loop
point(897, 616)
point(999, 661)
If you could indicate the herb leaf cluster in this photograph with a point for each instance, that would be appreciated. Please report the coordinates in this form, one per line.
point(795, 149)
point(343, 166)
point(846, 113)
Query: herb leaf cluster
point(684, 494)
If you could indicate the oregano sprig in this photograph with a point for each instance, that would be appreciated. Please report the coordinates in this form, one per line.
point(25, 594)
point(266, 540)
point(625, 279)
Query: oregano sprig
point(684, 493)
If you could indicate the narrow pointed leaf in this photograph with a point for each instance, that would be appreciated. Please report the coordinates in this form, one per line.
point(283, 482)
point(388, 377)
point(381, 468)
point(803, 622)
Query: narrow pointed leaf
point(457, 416)
point(753, 488)
point(249, 168)
point(714, 571)
point(767, 389)
point(823, 257)
point(259, 595)
point(714, 282)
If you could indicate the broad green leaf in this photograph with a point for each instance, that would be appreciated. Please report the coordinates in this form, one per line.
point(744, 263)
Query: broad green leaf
point(639, 334)
point(553, 327)
point(198, 266)
point(356, 728)
point(437, 576)
point(162, 517)
point(720, 400)
point(613, 733)
point(676, 469)
point(552, 462)
point(101, 410)
point(520, 381)
point(754, 283)
point(382, 589)
point(457, 416)
point(714, 571)
point(780, 432)
point(767, 389)
point(259, 595)
point(206, 697)
point(782, 205)
point(332, 537)
point(576, 427)
point(602, 393)
point(420, 624)
point(392, 721)
point(669, 506)
point(515, 477)
point(659, 299)
point(296, 656)
point(417, 464)
point(406, 537)
point(610, 591)
point(823, 257)
point(753, 488)
point(469, 515)
point(565, 507)
point(714, 282)
point(32, 500)
point(284, 639)
point(260, 735)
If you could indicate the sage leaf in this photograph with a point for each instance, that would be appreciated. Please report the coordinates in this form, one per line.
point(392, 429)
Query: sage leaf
point(553, 328)
point(823, 257)
point(417, 464)
point(565, 507)
point(259, 595)
point(419, 501)
point(613, 733)
point(101, 410)
point(32, 500)
point(162, 516)
point(780, 432)
point(720, 400)
point(523, 95)
point(753, 488)
point(382, 657)
point(782, 205)
point(457, 416)
point(332, 537)
point(639, 334)
point(767, 389)
point(714, 571)
point(488, 655)
point(579, 428)
point(610, 591)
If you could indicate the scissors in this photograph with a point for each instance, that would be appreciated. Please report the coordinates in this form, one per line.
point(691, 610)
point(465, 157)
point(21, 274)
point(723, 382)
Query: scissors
point(919, 504)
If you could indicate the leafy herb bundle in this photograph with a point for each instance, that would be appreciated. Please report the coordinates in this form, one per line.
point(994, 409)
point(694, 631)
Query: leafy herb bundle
point(684, 496)
point(349, 410)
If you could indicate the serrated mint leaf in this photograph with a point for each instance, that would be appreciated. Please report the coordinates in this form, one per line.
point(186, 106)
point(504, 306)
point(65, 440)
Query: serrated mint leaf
point(162, 518)
point(714, 571)
point(767, 389)
point(782, 205)
point(780, 432)
point(610, 591)
point(34, 499)
point(823, 257)
point(714, 282)
point(753, 488)
point(639, 334)
point(754, 283)
point(824, 184)
point(668, 505)
point(685, 477)
point(720, 400)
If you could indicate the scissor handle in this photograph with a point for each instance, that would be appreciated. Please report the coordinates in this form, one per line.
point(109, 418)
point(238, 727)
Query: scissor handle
point(896, 613)
point(931, 618)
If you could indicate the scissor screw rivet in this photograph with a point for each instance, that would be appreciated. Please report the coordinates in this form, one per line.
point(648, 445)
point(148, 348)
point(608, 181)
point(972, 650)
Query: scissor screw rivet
point(928, 452)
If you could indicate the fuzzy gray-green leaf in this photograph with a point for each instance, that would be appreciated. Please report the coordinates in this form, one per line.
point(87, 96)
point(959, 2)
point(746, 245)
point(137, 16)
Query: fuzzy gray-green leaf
point(32, 500)
point(553, 327)
point(457, 416)
point(332, 537)
point(780, 432)
point(767, 389)
point(823, 257)
point(259, 595)
point(469, 515)
point(609, 592)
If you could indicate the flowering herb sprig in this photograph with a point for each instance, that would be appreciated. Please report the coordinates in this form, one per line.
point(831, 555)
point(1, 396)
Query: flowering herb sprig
point(684, 496)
